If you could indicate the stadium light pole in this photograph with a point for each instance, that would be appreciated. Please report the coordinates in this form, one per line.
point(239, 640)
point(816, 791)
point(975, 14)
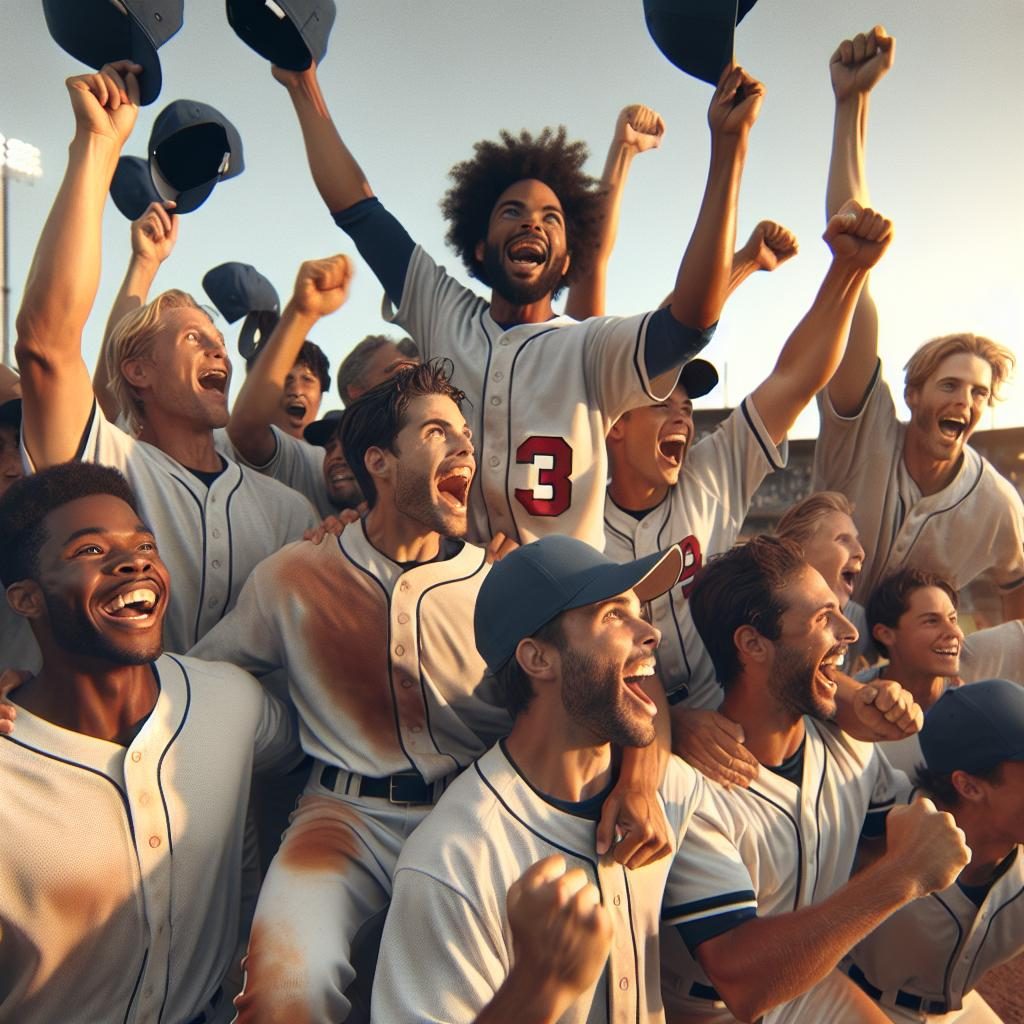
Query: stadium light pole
point(19, 161)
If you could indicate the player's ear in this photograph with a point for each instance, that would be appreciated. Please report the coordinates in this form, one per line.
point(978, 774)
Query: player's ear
point(618, 428)
point(479, 249)
point(968, 788)
point(377, 463)
point(538, 660)
point(752, 647)
point(26, 598)
point(137, 371)
point(565, 264)
point(884, 634)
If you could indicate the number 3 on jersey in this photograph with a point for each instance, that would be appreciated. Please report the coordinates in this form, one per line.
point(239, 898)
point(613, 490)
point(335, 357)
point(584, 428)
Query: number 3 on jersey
point(552, 458)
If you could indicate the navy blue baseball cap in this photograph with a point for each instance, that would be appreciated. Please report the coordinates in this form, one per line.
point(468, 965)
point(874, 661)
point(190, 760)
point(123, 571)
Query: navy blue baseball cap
point(98, 32)
point(975, 727)
point(237, 290)
point(132, 188)
point(699, 377)
point(290, 33)
point(696, 35)
point(321, 431)
point(191, 148)
point(538, 581)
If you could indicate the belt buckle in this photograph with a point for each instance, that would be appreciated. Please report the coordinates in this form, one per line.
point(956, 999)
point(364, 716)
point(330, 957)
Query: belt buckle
point(395, 784)
point(936, 1006)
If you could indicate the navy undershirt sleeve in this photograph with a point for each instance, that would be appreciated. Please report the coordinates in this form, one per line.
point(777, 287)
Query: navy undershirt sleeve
point(381, 241)
point(670, 343)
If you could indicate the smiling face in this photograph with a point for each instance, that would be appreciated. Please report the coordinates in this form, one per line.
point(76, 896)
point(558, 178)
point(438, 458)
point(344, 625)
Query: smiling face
point(834, 549)
point(342, 487)
point(187, 372)
point(607, 652)
point(432, 466)
point(525, 254)
point(104, 585)
point(652, 441)
point(927, 638)
point(946, 409)
point(300, 402)
point(812, 643)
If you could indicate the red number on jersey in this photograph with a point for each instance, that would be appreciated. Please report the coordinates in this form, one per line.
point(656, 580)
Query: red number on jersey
point(556, 476)
point(692, 562)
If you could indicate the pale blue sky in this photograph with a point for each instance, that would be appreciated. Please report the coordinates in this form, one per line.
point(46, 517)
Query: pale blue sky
point(413, 83)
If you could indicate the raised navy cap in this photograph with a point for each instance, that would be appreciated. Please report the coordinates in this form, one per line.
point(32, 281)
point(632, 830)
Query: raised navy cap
point(239, 288)
point(696, 35)
point(699, 377)
point(291, 34)
point(99, 32)
point(192, 146)
point(132, 188)
point(974, 727)
point(536, 582)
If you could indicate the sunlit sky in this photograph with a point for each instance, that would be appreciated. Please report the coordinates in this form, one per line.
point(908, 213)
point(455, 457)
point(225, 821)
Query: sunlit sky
point(413, 83)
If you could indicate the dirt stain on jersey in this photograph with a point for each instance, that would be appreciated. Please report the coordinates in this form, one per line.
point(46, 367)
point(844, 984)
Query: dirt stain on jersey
point(322, 837)
point(275, 978)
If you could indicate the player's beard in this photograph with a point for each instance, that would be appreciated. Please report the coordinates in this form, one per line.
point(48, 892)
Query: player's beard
point(414, 498)
point(73, 632)
point(594, 696)
point(519, 293)
point(792, 684)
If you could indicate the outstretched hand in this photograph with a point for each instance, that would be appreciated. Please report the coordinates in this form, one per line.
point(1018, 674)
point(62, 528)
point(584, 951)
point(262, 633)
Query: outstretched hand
point(106, 102)
point(769, 246)
point(860, 63)
point(155, 233)
point(639, 127)
point(858, 235)
point(736, 102)
point(321, 286)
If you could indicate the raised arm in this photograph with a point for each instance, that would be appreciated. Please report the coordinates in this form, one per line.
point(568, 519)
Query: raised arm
point(768, 247)
point(153, 237)
point(769, 960)
point(856, 67)
point(857, 237)
point(321, 287)
point(637, 129)
point(62, 282)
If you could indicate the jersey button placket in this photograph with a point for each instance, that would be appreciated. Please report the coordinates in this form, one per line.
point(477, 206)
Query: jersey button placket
point(408, 698)
point(495, 448)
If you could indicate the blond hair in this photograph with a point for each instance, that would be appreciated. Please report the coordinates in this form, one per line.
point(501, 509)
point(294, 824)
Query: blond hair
point(925, 361)
point(799, 521)
point(133, 338)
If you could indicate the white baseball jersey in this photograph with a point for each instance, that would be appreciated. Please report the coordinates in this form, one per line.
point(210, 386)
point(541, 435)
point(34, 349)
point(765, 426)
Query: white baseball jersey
point(973, 527)
point(210, 537)
point(939, 947)
point(994, 653)
point(120, 867)
point(386, 679)
point(703, 514)
point(770, 849)
point(447, 945)
point(542, 398)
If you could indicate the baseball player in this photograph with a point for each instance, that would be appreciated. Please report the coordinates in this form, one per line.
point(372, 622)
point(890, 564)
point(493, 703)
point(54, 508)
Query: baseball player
point(913, 484)
point(544, 389)
point(912, 615)
point(372, 629)
point(215, 520)
point(127, 777)
point(372, 360)
point(761, 902)
point(923, 963)
point(559, 627)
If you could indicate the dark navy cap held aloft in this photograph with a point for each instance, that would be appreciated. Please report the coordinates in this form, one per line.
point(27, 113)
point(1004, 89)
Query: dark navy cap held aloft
point(289, 33)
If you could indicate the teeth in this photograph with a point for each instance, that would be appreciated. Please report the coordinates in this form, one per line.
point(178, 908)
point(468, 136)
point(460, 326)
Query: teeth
point(144, 596)
point(642, 671)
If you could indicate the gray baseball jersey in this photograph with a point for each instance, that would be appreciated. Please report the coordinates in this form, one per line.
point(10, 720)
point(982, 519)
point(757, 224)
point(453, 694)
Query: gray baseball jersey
point(770, 849)
point(120, 867)
point(703, 515)
point(17, 643)
point(447, 945)
point(210, 537)
point(542, 398)
point(973, 527)
point(936, 949)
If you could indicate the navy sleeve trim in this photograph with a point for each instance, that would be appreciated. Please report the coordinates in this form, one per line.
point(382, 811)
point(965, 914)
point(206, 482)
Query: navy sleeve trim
point(695, 933)
point(381, 241)
point(670, 343)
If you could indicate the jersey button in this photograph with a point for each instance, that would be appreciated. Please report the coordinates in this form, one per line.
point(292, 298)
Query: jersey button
point(494, 460)
point(403, 585)
point(498, 375)
point(212, 603)
point(216, 563)
point(215, 532)
point(617, 901)
point(403, 618)
point(623, 983)
point(495, 400)
point(136, 756)
point(399, 650)
point(407, 683)
point(416, 728)
point(154, 841)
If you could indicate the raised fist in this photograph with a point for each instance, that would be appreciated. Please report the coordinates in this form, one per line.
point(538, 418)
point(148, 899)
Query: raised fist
point(155, 233)
point(639, 127)
point(770, 245)
point(861, 62)
point(736, 102)
point(925, 845)
point(857, 235)
point(321, 286)
point(106, 102)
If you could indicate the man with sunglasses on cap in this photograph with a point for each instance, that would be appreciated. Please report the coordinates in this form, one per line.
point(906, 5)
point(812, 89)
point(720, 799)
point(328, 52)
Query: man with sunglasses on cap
point(924, 962)
point(559, 627)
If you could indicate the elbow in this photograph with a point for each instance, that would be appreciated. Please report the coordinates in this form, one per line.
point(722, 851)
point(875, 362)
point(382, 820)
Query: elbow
point(742, 993)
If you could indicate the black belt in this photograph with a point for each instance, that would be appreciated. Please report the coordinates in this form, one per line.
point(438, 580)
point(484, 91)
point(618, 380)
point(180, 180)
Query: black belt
point(401, 788)
point(907, 1000)
point(699, 991)
point(202, 1018)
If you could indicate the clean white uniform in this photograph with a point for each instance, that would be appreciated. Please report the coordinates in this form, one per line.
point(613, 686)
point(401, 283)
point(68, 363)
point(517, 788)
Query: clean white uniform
point(923, 962)
point(994, 653)
point(386, 679)
point(771, 849)
point(973, 527)
point(542, 398)
point(447, 945)
point(120, 867)
point(210, 538)
point(703, 514)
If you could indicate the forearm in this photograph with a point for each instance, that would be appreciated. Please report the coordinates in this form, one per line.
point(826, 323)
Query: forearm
point(338, 177)
point(847, 178)
point(769, 960)
point(260, 396)
point(702, 284)
point(526, 1000)
point(742, 267)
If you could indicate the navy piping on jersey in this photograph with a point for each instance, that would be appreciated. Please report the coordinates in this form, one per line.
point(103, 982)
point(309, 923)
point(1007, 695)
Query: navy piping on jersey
point(80, 454)
point(479, 477)
point(632, 939)
point(419, 635)
point(949, 508)
point(694, 933)
point(956, 945)
point(135, 987)
point(509, 497)
point(817, 819)
point(636, 357)
point(387, 622)
point(202, 533)
point(760, 440)
point(672, 606)
point(991, 921)
point(231, 541)
point(799, 842)
point(170, 743)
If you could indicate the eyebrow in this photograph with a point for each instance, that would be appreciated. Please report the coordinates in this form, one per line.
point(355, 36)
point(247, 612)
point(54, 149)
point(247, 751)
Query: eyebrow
point(91, 531)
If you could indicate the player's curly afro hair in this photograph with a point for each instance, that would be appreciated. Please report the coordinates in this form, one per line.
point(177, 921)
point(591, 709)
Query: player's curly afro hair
point(548, 157)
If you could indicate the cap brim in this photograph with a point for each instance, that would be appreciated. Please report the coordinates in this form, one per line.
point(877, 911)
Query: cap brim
point(322, 431)
point(648, 578)
point(189, 200)
point(699, 377)
point(10, 412)
point(151, 80)
point(255, 330)
point(696, 36)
